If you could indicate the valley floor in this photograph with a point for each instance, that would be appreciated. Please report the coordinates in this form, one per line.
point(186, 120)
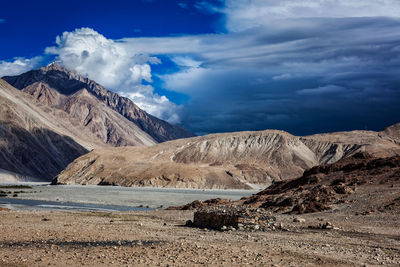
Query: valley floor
point(158, 238)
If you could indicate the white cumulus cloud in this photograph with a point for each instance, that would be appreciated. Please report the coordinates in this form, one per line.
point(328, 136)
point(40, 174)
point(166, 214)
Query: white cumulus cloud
point(19, 65)
point(109, 63)
point(103, 60)
point(156, 105)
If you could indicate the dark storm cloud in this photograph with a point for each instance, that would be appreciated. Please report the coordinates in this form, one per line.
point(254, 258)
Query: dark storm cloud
point(303, 75)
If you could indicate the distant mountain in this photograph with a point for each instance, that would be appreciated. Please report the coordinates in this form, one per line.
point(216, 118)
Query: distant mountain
point(229, 160)
point(81, 97)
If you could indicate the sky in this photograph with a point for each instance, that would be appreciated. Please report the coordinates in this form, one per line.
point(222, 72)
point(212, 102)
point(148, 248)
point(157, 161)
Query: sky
point(221, 66)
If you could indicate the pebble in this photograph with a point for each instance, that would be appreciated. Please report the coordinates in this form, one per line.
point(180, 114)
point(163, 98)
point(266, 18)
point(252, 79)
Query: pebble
point(299, 220)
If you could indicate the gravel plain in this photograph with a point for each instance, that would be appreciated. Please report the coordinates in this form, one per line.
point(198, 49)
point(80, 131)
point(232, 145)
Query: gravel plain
point(158, 238)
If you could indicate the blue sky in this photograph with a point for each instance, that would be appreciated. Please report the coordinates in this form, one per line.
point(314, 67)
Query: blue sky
point(218, 66)
point(39, 22)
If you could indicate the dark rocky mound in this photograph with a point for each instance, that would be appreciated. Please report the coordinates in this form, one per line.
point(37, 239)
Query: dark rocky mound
point(322, 186)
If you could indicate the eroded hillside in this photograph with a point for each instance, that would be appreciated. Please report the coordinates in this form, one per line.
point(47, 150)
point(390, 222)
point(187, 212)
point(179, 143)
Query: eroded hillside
point(230, 160)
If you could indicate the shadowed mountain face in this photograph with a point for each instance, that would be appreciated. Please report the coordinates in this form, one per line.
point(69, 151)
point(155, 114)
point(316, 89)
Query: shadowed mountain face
point(38, 152)
point(31, 142)
point(55, 85)
point(229, 160)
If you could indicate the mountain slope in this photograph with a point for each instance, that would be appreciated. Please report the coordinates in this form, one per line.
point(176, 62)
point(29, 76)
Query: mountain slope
point(393, 132)
point(93, 117)
point(33, 143)
point(346, 185)
point(230, 160)
point(45, 82)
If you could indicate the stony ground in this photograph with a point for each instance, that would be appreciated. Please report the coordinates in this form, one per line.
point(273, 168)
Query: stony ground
point(157, 238)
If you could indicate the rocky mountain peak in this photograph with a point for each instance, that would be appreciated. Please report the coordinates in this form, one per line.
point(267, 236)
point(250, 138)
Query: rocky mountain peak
point(55, 70)
point(53, 66)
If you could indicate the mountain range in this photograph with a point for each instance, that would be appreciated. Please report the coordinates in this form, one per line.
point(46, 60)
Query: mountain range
point(241, 160)
point(57, 124)
point(51, 115)
point(61, 89)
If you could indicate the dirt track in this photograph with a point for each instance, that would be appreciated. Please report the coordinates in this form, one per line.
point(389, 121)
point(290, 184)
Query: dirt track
point(158, 239)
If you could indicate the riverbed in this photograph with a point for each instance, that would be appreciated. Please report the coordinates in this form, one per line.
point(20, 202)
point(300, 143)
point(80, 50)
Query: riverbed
point(89, 197)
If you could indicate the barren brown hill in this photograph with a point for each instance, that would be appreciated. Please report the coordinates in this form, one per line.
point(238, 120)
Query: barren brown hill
point(230, 160)
point(59, 88)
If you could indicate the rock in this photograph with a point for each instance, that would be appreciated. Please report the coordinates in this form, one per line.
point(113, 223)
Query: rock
point(217, 217)
point(328, 226)
point(299, 220)
point(342, 189)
